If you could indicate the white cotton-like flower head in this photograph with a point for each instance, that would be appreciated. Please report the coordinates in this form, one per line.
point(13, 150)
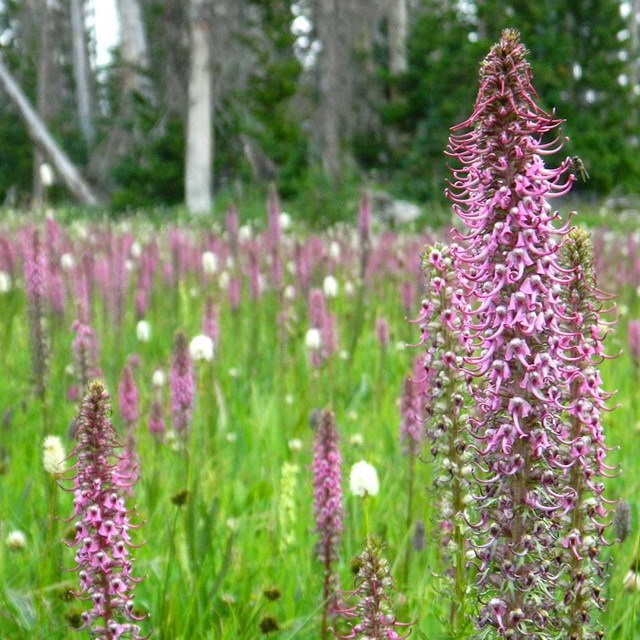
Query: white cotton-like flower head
point(5, 282)
point(313, 339)
point(209, 262)
point(349, 289)
point(334, 250)
point(16, 540)
point(285, 221)
point(245, 232)
point(46, 174)
point(295, 444)
point(356, 440)
point(201, 348)
point(330, 287)
point(143, 331)
point(224, 280)
point(363, 480)
point(67, 261)
point(290, 292)
point(53, 456)
point(159, 378)
point(136, 249)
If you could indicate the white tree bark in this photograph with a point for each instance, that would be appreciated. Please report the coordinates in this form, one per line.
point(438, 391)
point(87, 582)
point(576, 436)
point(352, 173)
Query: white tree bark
point(398, 29)
point(82, 73)
point(199, 151)
point(330, 90)
point(46, 144)
point(133, 48)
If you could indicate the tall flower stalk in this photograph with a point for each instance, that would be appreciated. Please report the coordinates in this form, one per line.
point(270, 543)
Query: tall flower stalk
point(584, 447)
point(446, 409)
point(372, 603)
point(35, 267)
point(508, 265)
point(181, 384)
point(327, 506)
point(103, 525)
point(411, 436)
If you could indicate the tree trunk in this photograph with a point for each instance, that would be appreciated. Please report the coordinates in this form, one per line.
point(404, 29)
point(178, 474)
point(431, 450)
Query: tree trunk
point(398, 27)
point(45, 143)
point(199, 150)
point(133, 49)
point(82, 73)
point(329, 107)
point(43, 89)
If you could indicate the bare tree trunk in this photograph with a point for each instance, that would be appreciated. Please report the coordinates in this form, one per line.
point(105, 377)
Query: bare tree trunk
point(199, 152)
point(81, 72)
point(398, 28)
point(327, 24)
point(43, 74)
point(43, 140)
point(133, 48)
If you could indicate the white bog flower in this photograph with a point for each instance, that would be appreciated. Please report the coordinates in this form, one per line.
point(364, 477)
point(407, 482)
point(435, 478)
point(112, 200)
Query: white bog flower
point(5, 282)
point(209, 262)
point(136, 249)
point(363, 480)
point(313, 339)
point(159, 378)
point(224, 280)
point(201, 348)
point(295, 444)
point(330, 287)
point(53, 456)
point(285, 220)
point(245, 232)
point(356, 440)
point(67, 262)
point(334, 250)
point(16, 540)
point(143, 330)
point(46, 174)
point(290, 292)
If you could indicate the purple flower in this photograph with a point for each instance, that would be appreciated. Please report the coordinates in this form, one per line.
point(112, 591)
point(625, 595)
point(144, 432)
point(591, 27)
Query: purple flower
point(412, 403)
point(634, 341)
point(35, 266)
point(181, 384)
point(35, 283)
point(372, 604)
point(508, 266)
point(156, 423)
point(445, 406)
point(583, 449)
point(327, 503)
point(210, 323)
point(103, 526)
point(85, 351)
point(128, 398)
point(382, 332)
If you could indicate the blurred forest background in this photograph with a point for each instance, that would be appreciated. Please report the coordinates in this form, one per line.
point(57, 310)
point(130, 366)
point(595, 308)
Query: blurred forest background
point(204, 100)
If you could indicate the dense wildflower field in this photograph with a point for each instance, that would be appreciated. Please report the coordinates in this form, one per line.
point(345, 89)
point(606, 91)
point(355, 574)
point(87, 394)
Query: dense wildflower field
point(224, 431)
point(225, 514)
